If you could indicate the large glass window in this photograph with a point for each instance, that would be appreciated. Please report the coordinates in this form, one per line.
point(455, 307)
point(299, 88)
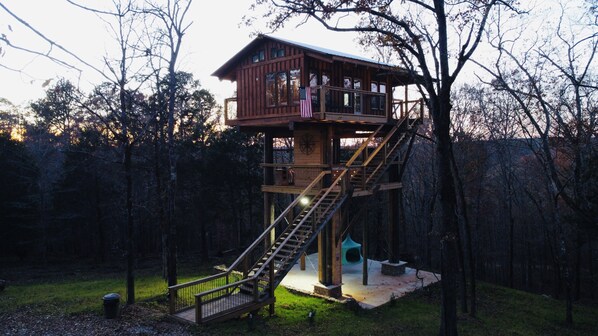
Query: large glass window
point(382, 89)
point(357, 86)
point(375, 101)
point(282, 88)
point(347, 84)
point(326, 81)
point(294, 83)
point(313, 82)
point(270, 90)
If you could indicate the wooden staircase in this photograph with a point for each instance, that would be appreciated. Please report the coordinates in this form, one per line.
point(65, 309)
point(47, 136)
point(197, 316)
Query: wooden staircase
point(249, 283)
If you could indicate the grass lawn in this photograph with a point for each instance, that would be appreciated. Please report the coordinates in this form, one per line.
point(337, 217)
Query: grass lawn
point(502, 311)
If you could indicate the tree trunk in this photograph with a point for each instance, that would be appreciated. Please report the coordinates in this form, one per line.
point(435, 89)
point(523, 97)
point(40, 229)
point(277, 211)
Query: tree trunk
point(447, 203)
point(130, 226)
point(469, 248)
point(171, 251)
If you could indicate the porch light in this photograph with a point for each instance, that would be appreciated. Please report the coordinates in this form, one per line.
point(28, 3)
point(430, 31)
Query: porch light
point(304, 201)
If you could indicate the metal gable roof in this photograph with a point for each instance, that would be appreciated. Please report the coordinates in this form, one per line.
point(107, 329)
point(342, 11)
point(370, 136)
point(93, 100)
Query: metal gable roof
point(223, 71)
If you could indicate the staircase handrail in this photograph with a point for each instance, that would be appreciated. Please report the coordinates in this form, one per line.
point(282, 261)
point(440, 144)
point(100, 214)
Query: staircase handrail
point(384, 142)
point(277, 250)
point(363, 146)
point(258, 240)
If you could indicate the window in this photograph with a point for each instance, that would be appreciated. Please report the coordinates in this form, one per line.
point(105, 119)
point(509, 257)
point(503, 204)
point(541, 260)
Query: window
point(326, 81)
point(282, 88)
point(375, 101)
point(313, 82)
point(258, 56)
point(382, 89)
point(294, 84)
point(270, 90)
point(357, 86)
point(347, 84)
point(276, 52)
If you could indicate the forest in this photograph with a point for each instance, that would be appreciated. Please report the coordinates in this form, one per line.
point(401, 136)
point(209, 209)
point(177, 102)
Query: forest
point(141, 167)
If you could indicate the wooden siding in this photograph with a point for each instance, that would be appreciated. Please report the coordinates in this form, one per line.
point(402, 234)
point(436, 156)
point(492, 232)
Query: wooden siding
point(304, 176)
point(251, 81)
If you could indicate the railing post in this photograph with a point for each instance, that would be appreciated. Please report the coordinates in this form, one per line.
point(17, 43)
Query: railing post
point(225, 110)
point(363, 177)
point(245, 267)
point(271, 276)
point(256, 290)
point(421, 108)
point(198, 314)
point(322, 101)
point(171, 300)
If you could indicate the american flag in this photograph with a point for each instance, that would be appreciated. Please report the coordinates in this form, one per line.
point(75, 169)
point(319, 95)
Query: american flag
point(305, 102)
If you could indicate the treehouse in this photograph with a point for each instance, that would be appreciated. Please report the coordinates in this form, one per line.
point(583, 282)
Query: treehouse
point(348, 125)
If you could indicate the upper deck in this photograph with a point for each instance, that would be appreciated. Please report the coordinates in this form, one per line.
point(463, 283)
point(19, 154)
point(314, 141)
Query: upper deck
point(272, 76)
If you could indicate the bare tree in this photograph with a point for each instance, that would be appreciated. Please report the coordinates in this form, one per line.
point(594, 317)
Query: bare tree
point(555, 87)
point(127, 73)
point(436, 38)
point(173, 19)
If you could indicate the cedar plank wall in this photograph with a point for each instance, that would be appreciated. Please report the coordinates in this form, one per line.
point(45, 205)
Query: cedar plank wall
point(251, 81)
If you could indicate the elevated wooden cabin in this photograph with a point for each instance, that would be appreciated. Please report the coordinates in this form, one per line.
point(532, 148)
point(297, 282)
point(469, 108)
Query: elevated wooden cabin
point(344, 88)
point(315, 97)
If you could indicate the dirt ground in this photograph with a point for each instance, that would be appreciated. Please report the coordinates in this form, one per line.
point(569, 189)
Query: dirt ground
point(133, 320)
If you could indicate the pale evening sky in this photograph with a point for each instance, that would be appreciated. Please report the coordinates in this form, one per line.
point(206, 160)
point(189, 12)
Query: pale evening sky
point(215, 36)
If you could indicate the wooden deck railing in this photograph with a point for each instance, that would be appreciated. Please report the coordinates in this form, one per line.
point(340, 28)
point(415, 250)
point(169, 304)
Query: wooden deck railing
point(184, 296)
point(411, 108)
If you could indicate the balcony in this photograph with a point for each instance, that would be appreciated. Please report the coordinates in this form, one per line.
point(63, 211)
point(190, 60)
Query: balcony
point(329, 103)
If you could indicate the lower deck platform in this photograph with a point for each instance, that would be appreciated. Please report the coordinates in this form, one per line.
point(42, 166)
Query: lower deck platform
point(380, 287)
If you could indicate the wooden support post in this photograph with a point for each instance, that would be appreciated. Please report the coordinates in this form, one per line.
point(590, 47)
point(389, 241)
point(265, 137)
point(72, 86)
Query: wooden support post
point(172, 293)
point(271, 276)
point(393, 216)
point(336, 261)
point(198, 308)
point(407, 100)
point(302, 262)
point(364, 247)
point(268, 180)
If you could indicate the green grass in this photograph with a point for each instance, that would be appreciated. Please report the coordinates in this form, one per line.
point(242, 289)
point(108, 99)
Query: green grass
point(502, 311)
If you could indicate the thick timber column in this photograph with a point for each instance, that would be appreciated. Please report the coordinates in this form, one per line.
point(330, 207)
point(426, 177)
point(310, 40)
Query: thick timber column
point(393, 216)
point(268, 180)
point(393, 265)
point(329, 247)
point(336, 224)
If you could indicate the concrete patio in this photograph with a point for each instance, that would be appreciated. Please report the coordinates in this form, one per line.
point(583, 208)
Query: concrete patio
point(380, 287)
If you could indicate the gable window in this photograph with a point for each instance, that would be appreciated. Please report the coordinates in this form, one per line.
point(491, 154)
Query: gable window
point(258, 56)
point(276, 52)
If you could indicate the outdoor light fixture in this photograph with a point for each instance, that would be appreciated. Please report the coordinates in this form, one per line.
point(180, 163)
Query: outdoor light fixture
point(304, 201)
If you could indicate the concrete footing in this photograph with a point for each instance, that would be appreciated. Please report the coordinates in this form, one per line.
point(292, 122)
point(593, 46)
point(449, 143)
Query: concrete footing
point(393, 269)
